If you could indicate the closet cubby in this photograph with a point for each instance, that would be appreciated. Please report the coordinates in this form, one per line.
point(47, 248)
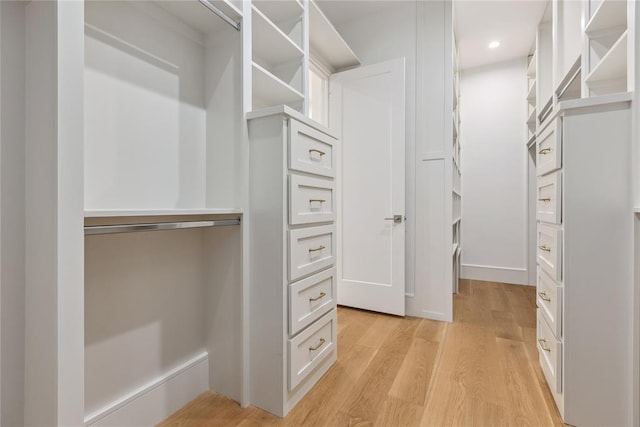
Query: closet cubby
point(162, 115)
point(277, 55)
point(606, 52)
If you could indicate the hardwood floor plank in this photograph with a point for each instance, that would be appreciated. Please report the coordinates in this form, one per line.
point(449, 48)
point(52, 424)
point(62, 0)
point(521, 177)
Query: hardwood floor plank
point(398, 412)
point(505, 326)
point(413, 379)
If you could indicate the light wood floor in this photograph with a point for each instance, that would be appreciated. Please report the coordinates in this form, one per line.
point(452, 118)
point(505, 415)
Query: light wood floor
point(480, 370)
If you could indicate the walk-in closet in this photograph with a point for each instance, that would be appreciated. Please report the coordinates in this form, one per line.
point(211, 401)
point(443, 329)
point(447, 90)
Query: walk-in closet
point(319, 213)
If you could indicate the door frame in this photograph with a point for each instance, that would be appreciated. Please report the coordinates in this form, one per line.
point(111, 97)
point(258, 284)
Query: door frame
point(335, 125)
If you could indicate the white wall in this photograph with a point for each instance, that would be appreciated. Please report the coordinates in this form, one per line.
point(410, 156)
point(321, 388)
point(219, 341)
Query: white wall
point(494, 172)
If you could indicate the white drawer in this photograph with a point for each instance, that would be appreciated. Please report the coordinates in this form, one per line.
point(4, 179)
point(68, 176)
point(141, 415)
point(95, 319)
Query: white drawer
point(310, 250)
point(310, 200)
point(310, 150)
point(310, 348)
point(550, 355)
point(549, 148)
point(549, 194)
point(549, 299)
point(311, 298)
point(550, 250)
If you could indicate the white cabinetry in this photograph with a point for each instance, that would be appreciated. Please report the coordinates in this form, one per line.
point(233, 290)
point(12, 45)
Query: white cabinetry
point(585, 273)
point(292, 276)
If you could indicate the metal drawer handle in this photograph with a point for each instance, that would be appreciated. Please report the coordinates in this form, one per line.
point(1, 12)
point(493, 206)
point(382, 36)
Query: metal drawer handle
point(544, 297)
point(545, 151)
point(313, 150)
point(544, 248)
point(317, 200)
point(322, 295)
point(545, 199)
point(542, 342)
point(321, 343)
point(317, 249)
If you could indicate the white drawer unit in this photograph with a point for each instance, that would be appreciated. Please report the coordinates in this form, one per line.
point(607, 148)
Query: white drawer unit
point(310, 250)
point(549, 148)
point(550, 355)
point(550, 250)
point(310, 298)
point(310, 348)
point(292, 239)
point(311, 200)
point(310, 150)
point(549, 198)
point(549, 300)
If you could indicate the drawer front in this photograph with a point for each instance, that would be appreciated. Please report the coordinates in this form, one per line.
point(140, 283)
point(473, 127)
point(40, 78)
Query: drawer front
point(549, 148)
point(550, 355)
point(310, 200)
point(310, 348)
point(549, 299)
point(311, 298)
point(310, 150)
point(549, 194)
point(550, 250)
point(310, 250)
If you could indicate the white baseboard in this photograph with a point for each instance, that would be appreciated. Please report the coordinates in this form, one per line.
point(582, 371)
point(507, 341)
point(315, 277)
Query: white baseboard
point(488, 273)
point(155, 401)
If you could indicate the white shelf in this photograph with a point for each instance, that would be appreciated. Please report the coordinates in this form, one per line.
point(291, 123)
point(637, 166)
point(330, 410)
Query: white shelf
point(531, 120)
point(327, 43)
point(280, 10)
point(531, 96)
point(118, 213)
point(531, 69)
point(270, 43)
point(197, 16)
point(270, 89)
point(455, 249)
point(531, 141)
point(613, 66)
point(610, 14)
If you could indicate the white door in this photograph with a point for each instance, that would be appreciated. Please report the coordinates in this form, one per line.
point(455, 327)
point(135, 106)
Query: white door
point(367, 111)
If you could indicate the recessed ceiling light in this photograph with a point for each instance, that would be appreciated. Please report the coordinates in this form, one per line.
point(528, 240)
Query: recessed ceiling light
point(494, 44)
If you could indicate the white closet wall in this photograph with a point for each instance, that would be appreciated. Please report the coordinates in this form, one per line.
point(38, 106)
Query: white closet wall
point(12, 180)
point(495, 172)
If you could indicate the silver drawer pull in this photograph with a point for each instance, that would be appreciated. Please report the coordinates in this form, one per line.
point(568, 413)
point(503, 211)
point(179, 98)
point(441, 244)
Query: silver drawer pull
point(317, 200)
point(322, 295)
point(545, 199)
point(543, 296)
point(320, 153)
point(544, 248)
point(542, 342)
point(317, 249)
point(544, 151)
point(321, 343)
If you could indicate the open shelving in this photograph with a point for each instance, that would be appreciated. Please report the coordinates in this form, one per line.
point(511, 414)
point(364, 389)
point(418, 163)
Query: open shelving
point(610, 74)
point(610, 14)
point(326, 44)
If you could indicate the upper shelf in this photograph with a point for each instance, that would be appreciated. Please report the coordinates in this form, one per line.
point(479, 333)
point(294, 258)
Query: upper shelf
point(280, 10)
point(196, 15)
point(531, 96)
point(326, 42)
point(531, 69)
point(118, 213)
point(613, 66)
point(610, 14)
point(270, 43)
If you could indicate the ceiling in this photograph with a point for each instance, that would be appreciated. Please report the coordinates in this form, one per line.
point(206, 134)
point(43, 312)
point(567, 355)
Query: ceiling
point(477, 23)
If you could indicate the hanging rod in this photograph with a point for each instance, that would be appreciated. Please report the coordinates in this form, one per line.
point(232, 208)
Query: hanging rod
point(130, 228)
point(213, 8)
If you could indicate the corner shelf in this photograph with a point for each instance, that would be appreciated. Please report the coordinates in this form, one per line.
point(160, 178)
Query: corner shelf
point(610, 14)
point(612, 68)
point(327, 43)
point(267, 87)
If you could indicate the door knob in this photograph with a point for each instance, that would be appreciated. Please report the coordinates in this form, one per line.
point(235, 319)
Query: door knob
point(397, 219)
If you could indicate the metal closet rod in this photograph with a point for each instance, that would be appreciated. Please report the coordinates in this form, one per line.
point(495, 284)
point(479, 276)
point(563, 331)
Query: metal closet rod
point(213, 8)
point(131, 228)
